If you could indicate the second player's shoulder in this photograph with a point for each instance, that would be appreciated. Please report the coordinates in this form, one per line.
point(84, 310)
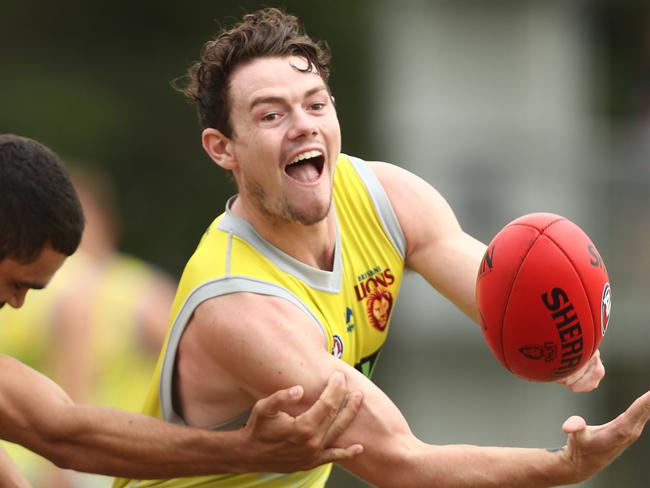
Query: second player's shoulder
point(25, 391)
point(15, 370)
point(9, 365)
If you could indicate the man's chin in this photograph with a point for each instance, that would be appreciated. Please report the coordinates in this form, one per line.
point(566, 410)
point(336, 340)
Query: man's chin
point(309, 217)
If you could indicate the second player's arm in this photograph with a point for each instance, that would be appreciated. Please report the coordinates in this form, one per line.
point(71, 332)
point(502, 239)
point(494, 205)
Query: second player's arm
point(36, 413)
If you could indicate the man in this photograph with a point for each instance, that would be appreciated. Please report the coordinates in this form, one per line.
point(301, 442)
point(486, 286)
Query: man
point(41, 223)
point(302, 271)
point(97, 328)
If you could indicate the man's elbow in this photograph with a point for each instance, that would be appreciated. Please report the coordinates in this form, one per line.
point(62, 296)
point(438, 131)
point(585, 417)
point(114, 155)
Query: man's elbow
point(58, 436)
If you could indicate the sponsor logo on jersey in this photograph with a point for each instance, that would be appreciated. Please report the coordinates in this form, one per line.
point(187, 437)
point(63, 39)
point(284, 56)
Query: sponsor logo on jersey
point(349, 320)
point(605, 307)
point(337, 347)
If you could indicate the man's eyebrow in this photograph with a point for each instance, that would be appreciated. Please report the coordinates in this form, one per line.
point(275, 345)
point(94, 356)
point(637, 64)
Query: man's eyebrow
point(276, 99)
point(268, 99)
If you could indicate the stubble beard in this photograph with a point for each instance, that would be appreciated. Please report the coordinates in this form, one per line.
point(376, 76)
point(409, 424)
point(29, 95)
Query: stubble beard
point(284, 210)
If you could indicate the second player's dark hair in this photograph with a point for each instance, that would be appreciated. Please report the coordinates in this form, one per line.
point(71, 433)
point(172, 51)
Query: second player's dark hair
point(38, 203)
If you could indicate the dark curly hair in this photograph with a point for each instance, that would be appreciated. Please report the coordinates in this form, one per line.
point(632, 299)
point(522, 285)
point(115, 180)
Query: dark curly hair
point(38, 203)
point(265, 33)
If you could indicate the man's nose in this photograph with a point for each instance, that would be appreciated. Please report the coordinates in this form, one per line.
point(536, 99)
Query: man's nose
point(302, 124)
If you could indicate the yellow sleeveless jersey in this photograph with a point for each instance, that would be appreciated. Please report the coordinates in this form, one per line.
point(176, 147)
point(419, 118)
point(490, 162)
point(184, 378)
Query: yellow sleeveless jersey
point(351, 304)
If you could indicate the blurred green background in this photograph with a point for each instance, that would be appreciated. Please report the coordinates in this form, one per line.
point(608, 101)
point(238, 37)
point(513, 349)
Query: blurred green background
point(505, 106)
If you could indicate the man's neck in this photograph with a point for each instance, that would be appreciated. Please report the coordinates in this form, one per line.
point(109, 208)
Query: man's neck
point(311, 244)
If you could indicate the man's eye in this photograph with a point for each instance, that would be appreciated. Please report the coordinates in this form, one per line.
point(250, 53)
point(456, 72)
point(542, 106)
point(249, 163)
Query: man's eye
point(318, 106)
point(271, 116)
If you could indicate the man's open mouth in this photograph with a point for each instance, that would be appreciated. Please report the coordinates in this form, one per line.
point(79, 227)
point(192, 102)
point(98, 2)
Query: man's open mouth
point(306, 167)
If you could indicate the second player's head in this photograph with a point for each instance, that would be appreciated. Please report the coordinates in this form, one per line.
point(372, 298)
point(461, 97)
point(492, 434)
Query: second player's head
point(41, 221)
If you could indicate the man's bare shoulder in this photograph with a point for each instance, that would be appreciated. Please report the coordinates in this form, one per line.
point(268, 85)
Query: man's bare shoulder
point(245, 312)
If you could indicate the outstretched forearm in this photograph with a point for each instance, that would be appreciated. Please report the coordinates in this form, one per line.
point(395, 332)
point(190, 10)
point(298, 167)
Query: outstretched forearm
point(411, 463)
point(477, 467)
point(401, 460)
point(116, 443)
point(37, 414)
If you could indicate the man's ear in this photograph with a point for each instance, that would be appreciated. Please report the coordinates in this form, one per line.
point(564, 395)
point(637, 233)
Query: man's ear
point(219, 148)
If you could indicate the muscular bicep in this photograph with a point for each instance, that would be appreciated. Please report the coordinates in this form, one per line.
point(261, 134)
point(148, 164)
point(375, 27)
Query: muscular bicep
point(275, 345)
point(30, 404)
point(437, 247)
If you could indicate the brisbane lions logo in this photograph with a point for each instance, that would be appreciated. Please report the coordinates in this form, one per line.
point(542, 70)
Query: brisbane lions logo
point(378, 306)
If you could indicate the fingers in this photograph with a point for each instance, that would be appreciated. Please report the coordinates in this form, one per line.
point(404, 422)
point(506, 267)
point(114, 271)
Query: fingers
point(629, 424)
point(574, 424)
point(638, 413)
point(336, 454)
point(344, 418)
point(278, 401)
point(588, 378)
point(332, 400)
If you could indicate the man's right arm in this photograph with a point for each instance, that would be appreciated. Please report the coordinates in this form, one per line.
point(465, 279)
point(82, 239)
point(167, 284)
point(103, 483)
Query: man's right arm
point(37, 414)
point(395, 457)
point(275, 332)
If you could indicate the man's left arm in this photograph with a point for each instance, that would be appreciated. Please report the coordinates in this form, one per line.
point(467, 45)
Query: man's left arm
point(447, 257)
point(436, 246)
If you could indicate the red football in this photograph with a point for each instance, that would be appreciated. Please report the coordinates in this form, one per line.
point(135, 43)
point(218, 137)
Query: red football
point(544, 297)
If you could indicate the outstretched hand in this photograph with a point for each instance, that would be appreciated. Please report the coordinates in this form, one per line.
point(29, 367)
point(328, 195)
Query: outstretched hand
point(590, 448)
point(284, 443)
point(586, 378)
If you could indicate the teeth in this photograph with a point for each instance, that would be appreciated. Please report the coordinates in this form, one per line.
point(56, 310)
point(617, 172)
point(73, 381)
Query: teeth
point(306, 155)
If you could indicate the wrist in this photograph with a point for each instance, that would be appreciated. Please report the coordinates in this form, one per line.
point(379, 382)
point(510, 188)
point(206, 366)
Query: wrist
point(237, 451)
point(565, 471)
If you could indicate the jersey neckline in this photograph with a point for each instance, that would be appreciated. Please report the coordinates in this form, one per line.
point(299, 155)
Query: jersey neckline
point(324, 280)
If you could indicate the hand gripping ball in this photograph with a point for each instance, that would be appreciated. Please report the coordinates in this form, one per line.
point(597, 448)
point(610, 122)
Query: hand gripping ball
point(544, 297)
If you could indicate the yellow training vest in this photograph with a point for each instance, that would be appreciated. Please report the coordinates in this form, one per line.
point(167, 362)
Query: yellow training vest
point(351, 304)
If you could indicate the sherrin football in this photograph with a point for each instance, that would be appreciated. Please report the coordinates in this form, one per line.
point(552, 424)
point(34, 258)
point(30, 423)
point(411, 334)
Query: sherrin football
point(544, 297)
